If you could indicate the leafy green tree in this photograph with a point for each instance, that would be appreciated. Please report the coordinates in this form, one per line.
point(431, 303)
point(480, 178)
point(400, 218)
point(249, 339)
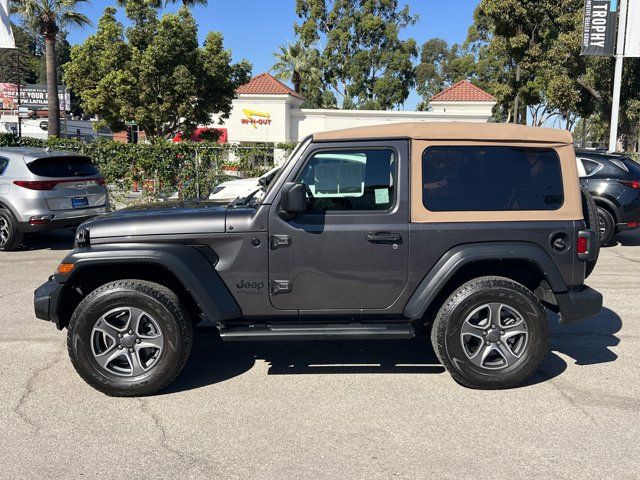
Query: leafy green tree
point(164, 81)
point(302, 66)
point(47, 17)
point(364, 60)
point(441, 66)
point(292, 63)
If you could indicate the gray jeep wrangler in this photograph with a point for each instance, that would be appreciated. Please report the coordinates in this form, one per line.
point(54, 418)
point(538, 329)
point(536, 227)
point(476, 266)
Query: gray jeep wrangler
point(464, 232)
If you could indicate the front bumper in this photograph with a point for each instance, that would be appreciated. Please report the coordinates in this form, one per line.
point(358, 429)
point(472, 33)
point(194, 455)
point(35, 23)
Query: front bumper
point(578, 305)
point(46, 301)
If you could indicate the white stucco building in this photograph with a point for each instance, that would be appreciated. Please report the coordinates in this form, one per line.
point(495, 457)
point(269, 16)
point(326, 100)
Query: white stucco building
point(266, 110)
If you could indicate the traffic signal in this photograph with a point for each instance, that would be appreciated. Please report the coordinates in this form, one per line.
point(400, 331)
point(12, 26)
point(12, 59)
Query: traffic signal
point(129, 134)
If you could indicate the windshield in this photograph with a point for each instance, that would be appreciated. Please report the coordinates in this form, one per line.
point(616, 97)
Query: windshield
point(256, 196)
point(295, 154)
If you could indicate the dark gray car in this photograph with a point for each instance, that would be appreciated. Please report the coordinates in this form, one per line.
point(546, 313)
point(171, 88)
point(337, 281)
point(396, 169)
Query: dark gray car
point(464, 233)
point(46, 189)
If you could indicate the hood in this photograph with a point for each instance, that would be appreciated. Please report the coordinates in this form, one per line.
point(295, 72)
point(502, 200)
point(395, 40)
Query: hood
point(164, 218)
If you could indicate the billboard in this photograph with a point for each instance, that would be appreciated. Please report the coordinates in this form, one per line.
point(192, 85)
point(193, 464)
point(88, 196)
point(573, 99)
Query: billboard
point(32, 96)
point(632, 43)
point(599, 27)
point(6, 34)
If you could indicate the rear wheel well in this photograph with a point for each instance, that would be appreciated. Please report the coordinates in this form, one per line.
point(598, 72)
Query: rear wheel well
point(608, 207)
point(527, 273)
point(88, 278)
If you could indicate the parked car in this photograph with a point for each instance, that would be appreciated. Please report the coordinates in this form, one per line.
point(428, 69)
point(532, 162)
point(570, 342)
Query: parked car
point(614, 182)
point(232, 189)
point(44, 190)
point(462, 232)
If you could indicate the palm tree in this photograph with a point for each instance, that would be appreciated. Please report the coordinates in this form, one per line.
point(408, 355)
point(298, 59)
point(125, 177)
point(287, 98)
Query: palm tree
point(293, 63)
point(47, 17)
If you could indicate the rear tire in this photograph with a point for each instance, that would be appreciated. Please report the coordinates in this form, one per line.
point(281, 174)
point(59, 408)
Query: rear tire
point(607, 226)
point(129, 338)
point(10, 237)
point(491, 333)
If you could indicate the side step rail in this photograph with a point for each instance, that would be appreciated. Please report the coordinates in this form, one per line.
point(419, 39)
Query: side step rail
point(318, 332)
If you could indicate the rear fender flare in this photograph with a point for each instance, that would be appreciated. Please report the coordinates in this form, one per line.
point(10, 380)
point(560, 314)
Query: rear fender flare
point(456, 258)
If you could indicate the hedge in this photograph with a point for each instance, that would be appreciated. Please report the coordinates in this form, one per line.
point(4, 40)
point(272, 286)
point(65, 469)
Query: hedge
point(191, 169)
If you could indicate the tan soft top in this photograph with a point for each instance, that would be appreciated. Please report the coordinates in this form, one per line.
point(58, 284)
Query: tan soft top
point(502, 132)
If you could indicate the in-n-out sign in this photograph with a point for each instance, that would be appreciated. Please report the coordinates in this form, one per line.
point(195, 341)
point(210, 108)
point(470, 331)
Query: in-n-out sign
point(255, 118)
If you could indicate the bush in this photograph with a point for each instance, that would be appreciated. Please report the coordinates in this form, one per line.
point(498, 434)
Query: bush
point(191, 169)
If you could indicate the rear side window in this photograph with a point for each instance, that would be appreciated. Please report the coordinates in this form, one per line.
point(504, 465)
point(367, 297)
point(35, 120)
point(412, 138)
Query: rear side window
point(3, 165)
point(491, 178)
point(63, 167)
point(591, 167)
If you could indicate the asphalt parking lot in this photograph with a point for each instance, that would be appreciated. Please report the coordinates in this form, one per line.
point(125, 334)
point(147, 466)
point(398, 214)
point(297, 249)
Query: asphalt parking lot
point(323, 410)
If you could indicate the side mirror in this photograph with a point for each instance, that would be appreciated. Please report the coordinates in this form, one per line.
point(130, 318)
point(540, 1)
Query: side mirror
point(294, 198)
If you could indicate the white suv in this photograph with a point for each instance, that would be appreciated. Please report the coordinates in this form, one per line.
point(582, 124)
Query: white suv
point(42, 189)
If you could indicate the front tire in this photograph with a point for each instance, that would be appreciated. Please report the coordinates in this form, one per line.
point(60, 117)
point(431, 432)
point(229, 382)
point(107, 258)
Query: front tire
point(129, 338)
point(491, 333)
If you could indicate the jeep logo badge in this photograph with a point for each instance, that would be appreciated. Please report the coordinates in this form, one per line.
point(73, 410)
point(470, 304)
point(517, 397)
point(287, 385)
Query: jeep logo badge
point(251, 287)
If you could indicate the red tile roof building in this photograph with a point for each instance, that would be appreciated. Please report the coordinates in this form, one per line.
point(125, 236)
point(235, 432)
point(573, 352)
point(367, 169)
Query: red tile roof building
point(463, 91)
point(266, 84)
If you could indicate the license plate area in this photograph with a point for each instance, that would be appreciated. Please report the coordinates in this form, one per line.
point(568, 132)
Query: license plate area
point(79, 202)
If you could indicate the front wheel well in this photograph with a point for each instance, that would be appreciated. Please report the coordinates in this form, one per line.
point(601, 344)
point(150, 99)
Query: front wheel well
point(525, 272)
point(88, 278)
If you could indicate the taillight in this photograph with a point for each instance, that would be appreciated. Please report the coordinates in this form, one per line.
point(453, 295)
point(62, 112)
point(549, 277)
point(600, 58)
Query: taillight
point(582, 245)
point(35, 185)
point(630, 183)
point(51, 184)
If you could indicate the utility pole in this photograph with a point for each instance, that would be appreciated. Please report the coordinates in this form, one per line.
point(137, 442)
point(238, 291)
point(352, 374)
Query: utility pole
point(617, 79)
point(19, 81)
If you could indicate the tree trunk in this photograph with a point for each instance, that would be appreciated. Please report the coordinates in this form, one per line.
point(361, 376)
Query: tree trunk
point(296, 79)
point(52, 87)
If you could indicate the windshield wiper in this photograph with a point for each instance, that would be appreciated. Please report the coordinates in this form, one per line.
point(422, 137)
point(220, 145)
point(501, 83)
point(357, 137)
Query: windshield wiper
point(246, 200)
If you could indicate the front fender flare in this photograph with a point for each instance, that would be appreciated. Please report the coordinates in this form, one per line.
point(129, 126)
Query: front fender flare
point(456, 258)
point(193, 269)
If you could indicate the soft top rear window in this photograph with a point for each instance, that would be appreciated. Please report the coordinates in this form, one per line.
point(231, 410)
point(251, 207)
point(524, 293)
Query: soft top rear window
point(66, 166)
point(491, 178)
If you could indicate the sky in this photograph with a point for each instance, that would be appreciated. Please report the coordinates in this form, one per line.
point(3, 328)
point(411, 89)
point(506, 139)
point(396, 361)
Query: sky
point(253, 29)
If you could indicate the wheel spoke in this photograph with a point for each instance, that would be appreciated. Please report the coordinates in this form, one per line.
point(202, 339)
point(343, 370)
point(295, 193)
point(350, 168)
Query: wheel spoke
point(495, 309)
point(104, 359)
point(505, 352)
point(135, 315)
point(103, 326)
point(135, 363)
point(483, 352)
point(150, 342)
point(470, 329)
point(512, 332)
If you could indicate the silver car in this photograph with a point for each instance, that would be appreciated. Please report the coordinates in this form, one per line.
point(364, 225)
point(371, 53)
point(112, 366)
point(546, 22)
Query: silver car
point(42, 189)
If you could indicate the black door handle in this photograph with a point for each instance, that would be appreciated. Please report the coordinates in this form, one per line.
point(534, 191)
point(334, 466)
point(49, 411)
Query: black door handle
point(384, 237)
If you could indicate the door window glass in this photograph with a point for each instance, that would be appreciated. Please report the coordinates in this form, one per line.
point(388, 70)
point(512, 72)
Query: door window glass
point(351, 179)
point(3, 165)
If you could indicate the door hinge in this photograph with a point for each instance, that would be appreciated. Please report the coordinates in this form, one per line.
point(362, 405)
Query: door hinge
point(277, 241)
point(280, 286)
